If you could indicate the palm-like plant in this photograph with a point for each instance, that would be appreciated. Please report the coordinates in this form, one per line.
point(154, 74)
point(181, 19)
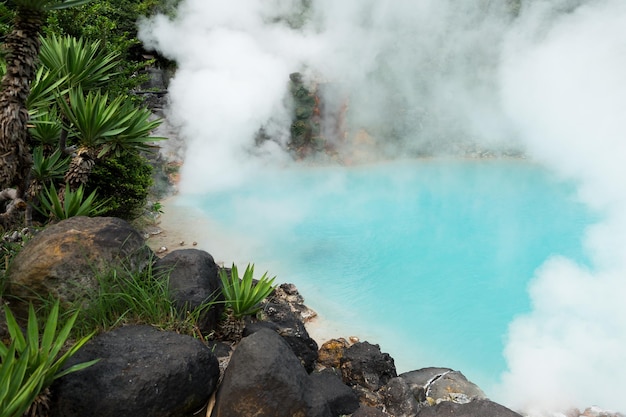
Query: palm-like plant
point(101, 126)
point(78, 62)
point(22, 50)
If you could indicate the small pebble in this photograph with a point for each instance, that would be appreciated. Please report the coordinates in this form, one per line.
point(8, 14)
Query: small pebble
point(162, 249)
point(353, 339)
point(182, 243)
point(195, 243)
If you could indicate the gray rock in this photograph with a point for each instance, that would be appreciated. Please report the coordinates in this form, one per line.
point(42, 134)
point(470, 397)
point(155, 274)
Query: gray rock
point(478, 408)
point(64, 260)
point(193, 280)
point(398, 398)
point(142, 372)
point(442, 384)
point(265, 379)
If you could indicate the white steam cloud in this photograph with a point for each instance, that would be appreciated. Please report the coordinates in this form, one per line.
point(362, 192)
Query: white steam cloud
point(422, 76)
point(564, 87)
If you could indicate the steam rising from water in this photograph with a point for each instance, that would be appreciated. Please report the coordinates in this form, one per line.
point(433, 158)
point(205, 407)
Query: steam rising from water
point(430, 74)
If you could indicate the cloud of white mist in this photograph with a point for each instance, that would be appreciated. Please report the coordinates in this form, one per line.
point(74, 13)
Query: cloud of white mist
point(420, 76)
point(564, 87)
point(417, 75)
point(231, 79)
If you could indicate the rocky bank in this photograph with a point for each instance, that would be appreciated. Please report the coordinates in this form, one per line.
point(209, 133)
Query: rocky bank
point(276, 369)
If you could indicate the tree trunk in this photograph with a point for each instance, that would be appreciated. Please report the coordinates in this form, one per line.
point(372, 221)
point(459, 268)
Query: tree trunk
point(22, 51)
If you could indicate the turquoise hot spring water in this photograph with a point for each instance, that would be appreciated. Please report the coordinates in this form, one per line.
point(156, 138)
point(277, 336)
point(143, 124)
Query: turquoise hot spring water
point(430, 259)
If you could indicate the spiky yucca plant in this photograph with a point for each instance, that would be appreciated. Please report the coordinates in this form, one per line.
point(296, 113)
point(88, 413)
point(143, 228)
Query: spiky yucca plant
point(243, 297)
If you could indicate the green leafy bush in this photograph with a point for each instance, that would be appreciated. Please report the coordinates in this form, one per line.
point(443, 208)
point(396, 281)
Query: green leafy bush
point(30, 363)
point(243, 295)
point(125, 182)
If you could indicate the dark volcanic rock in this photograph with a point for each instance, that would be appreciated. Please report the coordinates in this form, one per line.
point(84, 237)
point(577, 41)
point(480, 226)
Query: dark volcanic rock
point(478, 408)
point(265, 379)
point(193, 280)
point(142, 372)
point(330, 389)
point(292, 329)
point(363, 364)
point(367, 411)
point(64, 260)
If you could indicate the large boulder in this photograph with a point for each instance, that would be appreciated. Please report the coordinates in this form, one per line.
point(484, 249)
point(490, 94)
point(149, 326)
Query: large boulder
point(441, 384)
point(265, 379)
point(478, 408)
point(193, 280)
point(142, 372)
point(64, 260)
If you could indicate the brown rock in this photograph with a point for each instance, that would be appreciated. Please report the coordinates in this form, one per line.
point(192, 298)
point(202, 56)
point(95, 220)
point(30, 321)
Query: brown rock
point(64, 260)
point(331, 352)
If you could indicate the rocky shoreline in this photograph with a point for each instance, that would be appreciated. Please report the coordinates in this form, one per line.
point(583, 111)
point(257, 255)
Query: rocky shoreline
point(276, 369)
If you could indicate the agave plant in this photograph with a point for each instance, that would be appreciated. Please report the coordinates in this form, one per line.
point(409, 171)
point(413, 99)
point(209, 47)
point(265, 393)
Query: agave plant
point(92, 118)
point(136, 135)
point(78, 62)
point(45, 127)
point(74, 203)
point(242, 297)
point(44, 88)
point(47, 168)
point(30, 363)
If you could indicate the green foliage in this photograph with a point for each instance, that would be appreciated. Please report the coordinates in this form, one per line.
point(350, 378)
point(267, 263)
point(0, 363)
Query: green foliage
point(125, 182)
point(30, 363)
point(124, 298)
point(114, 24)
point(78, 62)
point(44, 89)
point(244, 295)
point(74, 203)
point(91, 117)
point(45, 127)
point(136, 135)
point(111, 126)
point(51, 167)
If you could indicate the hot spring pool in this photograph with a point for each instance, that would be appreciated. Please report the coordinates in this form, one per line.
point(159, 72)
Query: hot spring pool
point(430, 259)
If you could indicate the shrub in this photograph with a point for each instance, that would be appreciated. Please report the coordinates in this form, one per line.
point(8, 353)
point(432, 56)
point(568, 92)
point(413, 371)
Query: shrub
point(125, 181)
